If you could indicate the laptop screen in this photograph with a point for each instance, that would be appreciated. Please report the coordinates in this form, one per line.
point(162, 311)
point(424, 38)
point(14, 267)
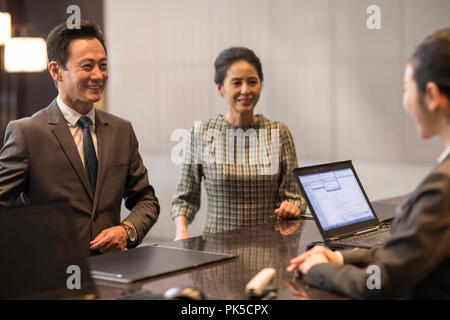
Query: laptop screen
point(336, 198)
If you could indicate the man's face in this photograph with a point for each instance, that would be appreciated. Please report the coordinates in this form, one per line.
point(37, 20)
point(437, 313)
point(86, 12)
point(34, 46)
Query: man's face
point(84, 78)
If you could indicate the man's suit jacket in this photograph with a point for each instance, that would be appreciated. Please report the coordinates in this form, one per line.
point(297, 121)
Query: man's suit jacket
point(414, 262)
point(40, 158)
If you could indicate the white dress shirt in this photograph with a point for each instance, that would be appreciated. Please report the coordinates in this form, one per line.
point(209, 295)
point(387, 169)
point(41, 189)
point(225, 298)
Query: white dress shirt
point(444, 154)
point(72, 118)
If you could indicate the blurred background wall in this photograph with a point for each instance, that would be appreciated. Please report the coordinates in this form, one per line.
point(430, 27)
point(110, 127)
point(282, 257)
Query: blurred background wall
point(335, 83)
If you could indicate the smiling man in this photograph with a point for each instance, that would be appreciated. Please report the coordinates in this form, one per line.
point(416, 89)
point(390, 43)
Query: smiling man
point(70, 150)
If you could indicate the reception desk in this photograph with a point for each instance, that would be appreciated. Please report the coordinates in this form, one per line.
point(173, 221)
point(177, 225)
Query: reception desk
point(268, 245)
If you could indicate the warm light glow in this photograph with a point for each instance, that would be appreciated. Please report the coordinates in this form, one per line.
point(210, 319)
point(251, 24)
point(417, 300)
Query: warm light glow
point(25, 55)
point(5, 27)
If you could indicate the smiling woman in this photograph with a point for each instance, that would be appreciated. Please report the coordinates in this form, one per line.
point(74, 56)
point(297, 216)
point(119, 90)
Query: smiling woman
point(242, 192)
point(239, 80)
point(241, 89)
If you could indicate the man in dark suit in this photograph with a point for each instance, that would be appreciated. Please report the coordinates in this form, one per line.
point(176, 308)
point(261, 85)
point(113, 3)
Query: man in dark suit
point(74, 151)
point(415, 261)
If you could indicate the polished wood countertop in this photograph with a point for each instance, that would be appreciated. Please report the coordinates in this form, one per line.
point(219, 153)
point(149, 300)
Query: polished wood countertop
point(268, 245)
point(256, 247)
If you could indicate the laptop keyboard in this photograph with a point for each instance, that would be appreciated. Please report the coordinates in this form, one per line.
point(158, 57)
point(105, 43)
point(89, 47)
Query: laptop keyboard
point(369, 239)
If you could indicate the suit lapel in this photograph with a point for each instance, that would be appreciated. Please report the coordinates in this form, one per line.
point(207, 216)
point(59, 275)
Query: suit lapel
point(104, 146)
point(62, 133)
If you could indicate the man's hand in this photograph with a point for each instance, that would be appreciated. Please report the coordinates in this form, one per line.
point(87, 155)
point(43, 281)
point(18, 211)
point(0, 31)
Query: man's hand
point(317, 255)
point(287, 210)
point(110, 240)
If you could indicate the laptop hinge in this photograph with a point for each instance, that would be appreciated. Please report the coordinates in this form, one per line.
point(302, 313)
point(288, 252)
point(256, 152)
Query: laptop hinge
point(353, 234)
point(367, 230)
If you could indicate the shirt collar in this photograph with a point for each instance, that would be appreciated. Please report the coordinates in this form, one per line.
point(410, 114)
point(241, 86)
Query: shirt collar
point(444, 155)
point(72, 116)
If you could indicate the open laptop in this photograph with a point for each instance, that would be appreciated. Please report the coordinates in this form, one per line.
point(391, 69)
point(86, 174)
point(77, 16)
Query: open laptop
point(42, 257)
point(340, 206)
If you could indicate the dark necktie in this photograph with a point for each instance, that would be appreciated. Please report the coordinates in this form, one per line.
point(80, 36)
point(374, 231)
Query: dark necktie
point(90, 157)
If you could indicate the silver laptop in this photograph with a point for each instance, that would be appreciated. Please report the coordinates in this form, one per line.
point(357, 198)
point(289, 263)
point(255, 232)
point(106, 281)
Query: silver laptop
point(340, 206)
point(149, 261)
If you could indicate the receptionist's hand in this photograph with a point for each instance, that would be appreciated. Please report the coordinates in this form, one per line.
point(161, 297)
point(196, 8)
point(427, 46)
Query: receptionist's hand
point(287, 210)
point(317, 255)
point(297, 291)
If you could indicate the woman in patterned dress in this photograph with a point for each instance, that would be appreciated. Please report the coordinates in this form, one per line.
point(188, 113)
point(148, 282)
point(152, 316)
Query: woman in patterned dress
point(244, 159)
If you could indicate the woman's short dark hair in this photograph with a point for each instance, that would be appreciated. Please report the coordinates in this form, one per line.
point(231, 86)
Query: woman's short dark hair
point(60, 37)
point(431, 62)
point(229, 56)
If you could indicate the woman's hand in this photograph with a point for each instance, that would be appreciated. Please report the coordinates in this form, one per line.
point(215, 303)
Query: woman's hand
point(181, 235)
point(287, 227)
point(317, 255)
point(287, 210)
point(181, 224)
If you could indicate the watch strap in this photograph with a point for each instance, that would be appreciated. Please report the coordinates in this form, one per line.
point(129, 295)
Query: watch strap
point(129, 230)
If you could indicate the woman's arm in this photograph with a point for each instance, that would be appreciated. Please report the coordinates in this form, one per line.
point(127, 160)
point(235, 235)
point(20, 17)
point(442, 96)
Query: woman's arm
point(290, 203)
point(186, 202)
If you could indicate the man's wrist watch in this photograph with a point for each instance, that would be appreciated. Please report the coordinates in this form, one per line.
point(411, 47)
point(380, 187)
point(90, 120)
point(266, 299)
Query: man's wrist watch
point(131, 233)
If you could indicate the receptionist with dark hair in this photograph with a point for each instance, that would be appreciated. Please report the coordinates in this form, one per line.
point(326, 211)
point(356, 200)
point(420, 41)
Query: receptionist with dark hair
point(415, 261)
